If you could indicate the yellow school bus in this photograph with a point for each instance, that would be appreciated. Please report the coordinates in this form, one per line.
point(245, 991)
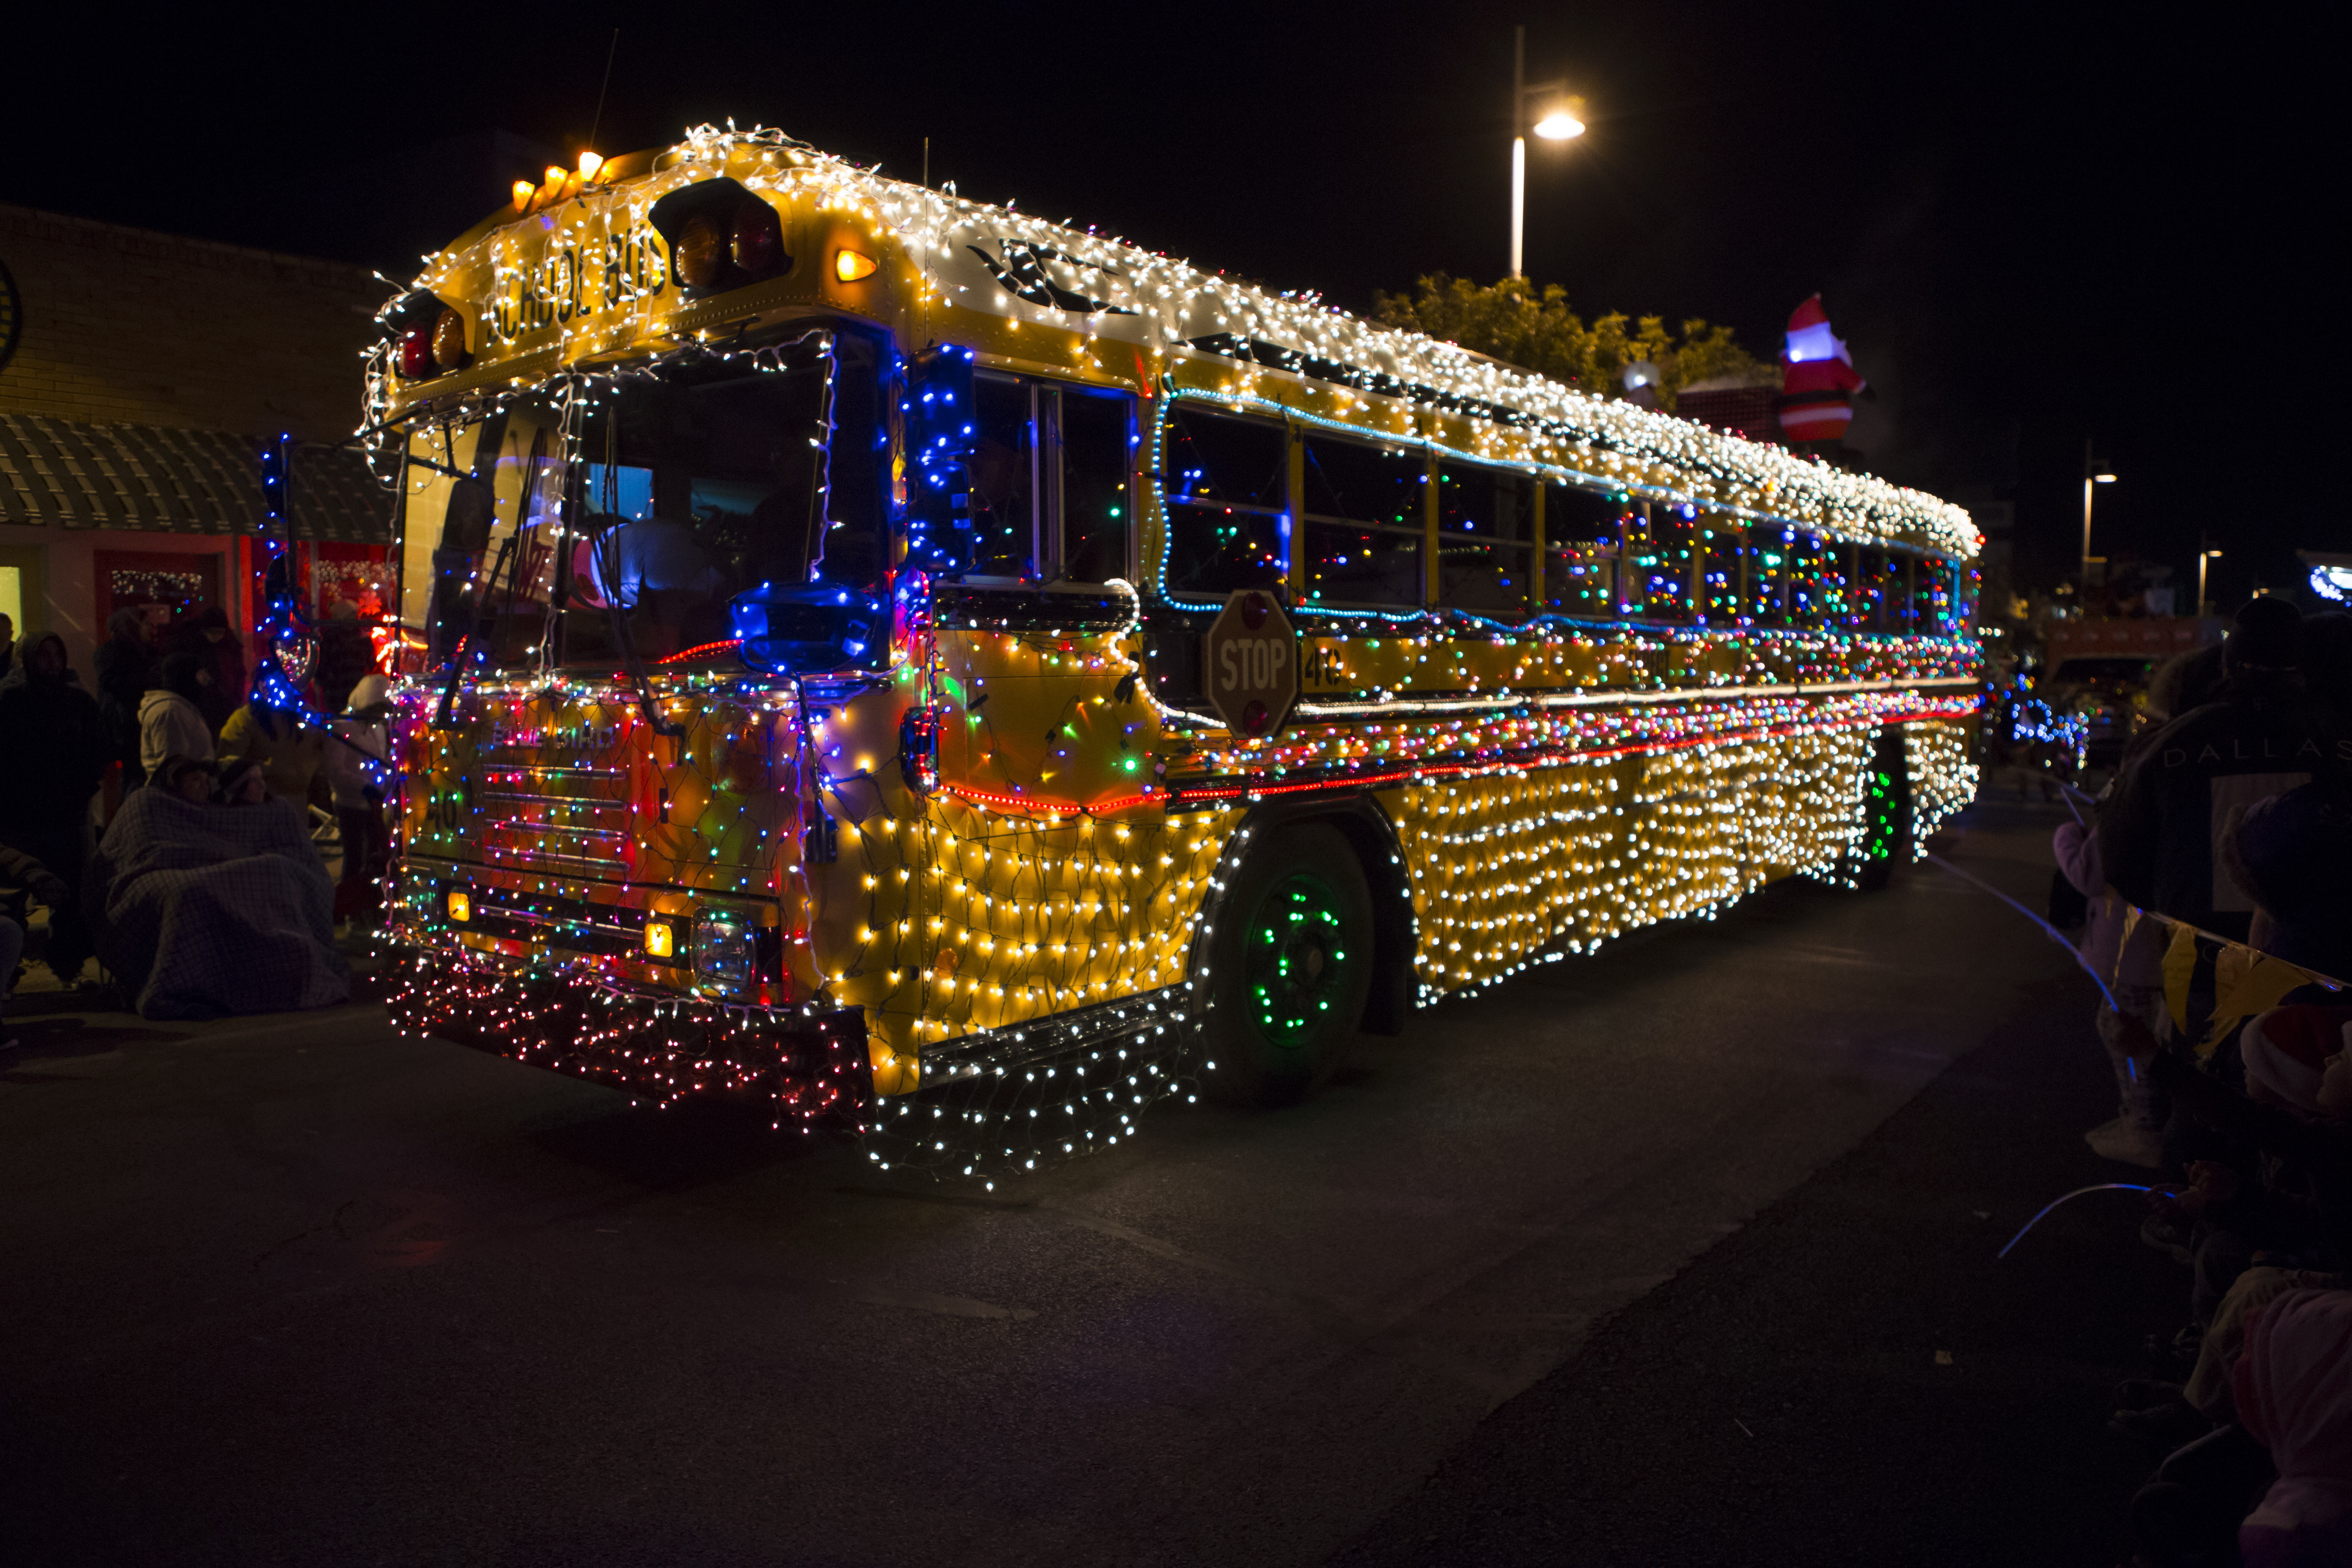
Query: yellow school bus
point(881, 654)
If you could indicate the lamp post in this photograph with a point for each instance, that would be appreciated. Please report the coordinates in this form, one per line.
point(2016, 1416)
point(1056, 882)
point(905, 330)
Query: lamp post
point(2203, 557)
point(2093, 473)
point(1561, 121)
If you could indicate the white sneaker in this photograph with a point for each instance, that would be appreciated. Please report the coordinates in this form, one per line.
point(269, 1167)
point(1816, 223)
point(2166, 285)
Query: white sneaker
point(2127, 1143)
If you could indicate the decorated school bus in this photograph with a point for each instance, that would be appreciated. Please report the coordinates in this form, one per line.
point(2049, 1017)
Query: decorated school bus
point(875, 652)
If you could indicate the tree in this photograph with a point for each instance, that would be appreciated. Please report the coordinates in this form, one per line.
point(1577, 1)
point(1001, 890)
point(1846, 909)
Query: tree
point(1515, 322)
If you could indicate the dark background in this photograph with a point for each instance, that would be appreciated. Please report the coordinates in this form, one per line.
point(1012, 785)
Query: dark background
point(2033, 225)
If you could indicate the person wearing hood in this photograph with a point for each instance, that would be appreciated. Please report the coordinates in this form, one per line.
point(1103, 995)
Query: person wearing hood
point(126, 668)
point(345, 656)
point(356, 768)
point(53, 752)
point(171, 717)
point(208, 640)
point(7, 641)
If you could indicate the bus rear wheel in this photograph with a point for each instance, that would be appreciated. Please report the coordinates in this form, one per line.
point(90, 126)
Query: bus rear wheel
point(1290, 965)
point(1885, 840)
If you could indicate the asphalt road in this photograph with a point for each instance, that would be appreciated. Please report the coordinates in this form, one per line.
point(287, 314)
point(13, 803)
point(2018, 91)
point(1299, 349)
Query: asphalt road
point(293, 1289)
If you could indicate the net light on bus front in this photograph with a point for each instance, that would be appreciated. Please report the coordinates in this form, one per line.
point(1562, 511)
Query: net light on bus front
point(849, 267)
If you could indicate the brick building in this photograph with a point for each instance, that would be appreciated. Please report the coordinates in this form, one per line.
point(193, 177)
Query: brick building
point(140, 374)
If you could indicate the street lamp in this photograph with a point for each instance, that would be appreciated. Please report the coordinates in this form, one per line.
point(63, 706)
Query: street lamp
point(2093, 473)
point(1562, 121)
point(2204, 556)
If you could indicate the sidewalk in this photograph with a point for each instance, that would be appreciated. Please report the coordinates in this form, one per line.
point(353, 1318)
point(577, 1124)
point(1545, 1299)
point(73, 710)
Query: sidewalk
point(1786, 1398)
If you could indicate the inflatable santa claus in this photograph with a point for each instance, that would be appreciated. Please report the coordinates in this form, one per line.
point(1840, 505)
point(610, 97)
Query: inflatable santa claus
point(1817, 378)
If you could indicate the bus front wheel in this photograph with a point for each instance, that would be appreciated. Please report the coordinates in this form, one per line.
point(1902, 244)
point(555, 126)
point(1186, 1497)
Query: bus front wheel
point(1290, 965)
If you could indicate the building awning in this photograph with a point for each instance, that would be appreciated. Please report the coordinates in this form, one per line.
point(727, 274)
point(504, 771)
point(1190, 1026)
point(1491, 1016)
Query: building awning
point(161, 480)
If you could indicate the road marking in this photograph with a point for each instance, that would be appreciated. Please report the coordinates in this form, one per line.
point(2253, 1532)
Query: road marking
point(946, 1306)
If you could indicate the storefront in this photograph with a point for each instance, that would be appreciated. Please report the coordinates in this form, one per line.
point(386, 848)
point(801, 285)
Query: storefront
point(140, 375)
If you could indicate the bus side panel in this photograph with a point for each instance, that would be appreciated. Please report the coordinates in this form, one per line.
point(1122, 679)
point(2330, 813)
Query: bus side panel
point(995, 899)
point(1572, 856)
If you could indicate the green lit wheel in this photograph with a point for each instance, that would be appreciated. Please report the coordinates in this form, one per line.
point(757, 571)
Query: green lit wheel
point(1290, 963)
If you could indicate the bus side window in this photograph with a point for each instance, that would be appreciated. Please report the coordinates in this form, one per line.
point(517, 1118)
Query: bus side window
point(1659, 563)
point(1004, 477)
point(1364, 526)
point(1770, 556)
point(1225, 483)
point(1884, 602)
point(1723, 573)
point(1097, 463)
point(1486, 525)
point(1817, 598)
point(1584, 532)
point(1931, 596)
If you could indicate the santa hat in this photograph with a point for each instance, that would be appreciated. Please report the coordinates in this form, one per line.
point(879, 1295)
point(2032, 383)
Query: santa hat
point(2286, 1050)
point(1809, 340)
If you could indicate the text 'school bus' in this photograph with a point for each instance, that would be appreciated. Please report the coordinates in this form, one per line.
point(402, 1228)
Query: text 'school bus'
point(872, 640)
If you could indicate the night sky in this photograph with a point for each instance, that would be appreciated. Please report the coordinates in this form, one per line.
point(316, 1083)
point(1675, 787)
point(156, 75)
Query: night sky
point(2032, 224)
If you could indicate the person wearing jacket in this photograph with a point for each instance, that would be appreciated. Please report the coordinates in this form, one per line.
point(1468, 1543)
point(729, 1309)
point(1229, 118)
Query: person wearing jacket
point(18, 870)
point(2293, 855)
point(2134, 1136)
point(346, 656)
point(2262, 736)
point(170, 717)
point(53, 752)
point(361, 741)
point(2293, 1390)
point(292, 753)
point(208, 640)
point(126, 668)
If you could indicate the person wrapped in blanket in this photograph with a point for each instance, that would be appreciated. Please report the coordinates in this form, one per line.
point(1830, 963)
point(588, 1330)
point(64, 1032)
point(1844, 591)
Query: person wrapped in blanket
point(204, 908)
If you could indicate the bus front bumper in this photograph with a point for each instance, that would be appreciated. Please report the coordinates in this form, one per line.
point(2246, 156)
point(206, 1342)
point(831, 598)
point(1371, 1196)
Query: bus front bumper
point(798, 1066)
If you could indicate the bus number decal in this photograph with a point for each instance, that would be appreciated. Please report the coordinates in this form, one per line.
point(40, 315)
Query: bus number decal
point(1321, 667)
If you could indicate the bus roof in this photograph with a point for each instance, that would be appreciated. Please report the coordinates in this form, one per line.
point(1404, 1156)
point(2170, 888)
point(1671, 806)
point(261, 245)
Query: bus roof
point(579, 277)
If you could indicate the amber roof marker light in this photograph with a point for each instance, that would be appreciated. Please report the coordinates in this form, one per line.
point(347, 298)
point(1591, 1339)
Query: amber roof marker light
point(851, 267)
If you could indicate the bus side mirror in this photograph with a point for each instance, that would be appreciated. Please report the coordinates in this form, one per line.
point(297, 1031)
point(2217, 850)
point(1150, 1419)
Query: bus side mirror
point(940, 432)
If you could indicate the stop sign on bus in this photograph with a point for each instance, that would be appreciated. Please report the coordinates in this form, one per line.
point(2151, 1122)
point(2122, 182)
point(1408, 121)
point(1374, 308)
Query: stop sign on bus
point(1253, 664)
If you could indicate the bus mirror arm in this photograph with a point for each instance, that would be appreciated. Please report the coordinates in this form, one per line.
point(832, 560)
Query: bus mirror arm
point(469, 649)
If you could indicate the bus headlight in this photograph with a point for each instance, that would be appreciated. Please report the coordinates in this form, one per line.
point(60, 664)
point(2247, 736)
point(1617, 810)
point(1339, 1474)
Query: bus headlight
point(726, 951)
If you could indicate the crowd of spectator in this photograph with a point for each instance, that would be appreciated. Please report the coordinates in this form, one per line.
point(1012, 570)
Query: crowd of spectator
point(173, 822)
point(2232, 815)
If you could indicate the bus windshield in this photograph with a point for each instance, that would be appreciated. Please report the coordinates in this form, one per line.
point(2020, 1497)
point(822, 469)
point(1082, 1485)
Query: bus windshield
point(691, 485)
